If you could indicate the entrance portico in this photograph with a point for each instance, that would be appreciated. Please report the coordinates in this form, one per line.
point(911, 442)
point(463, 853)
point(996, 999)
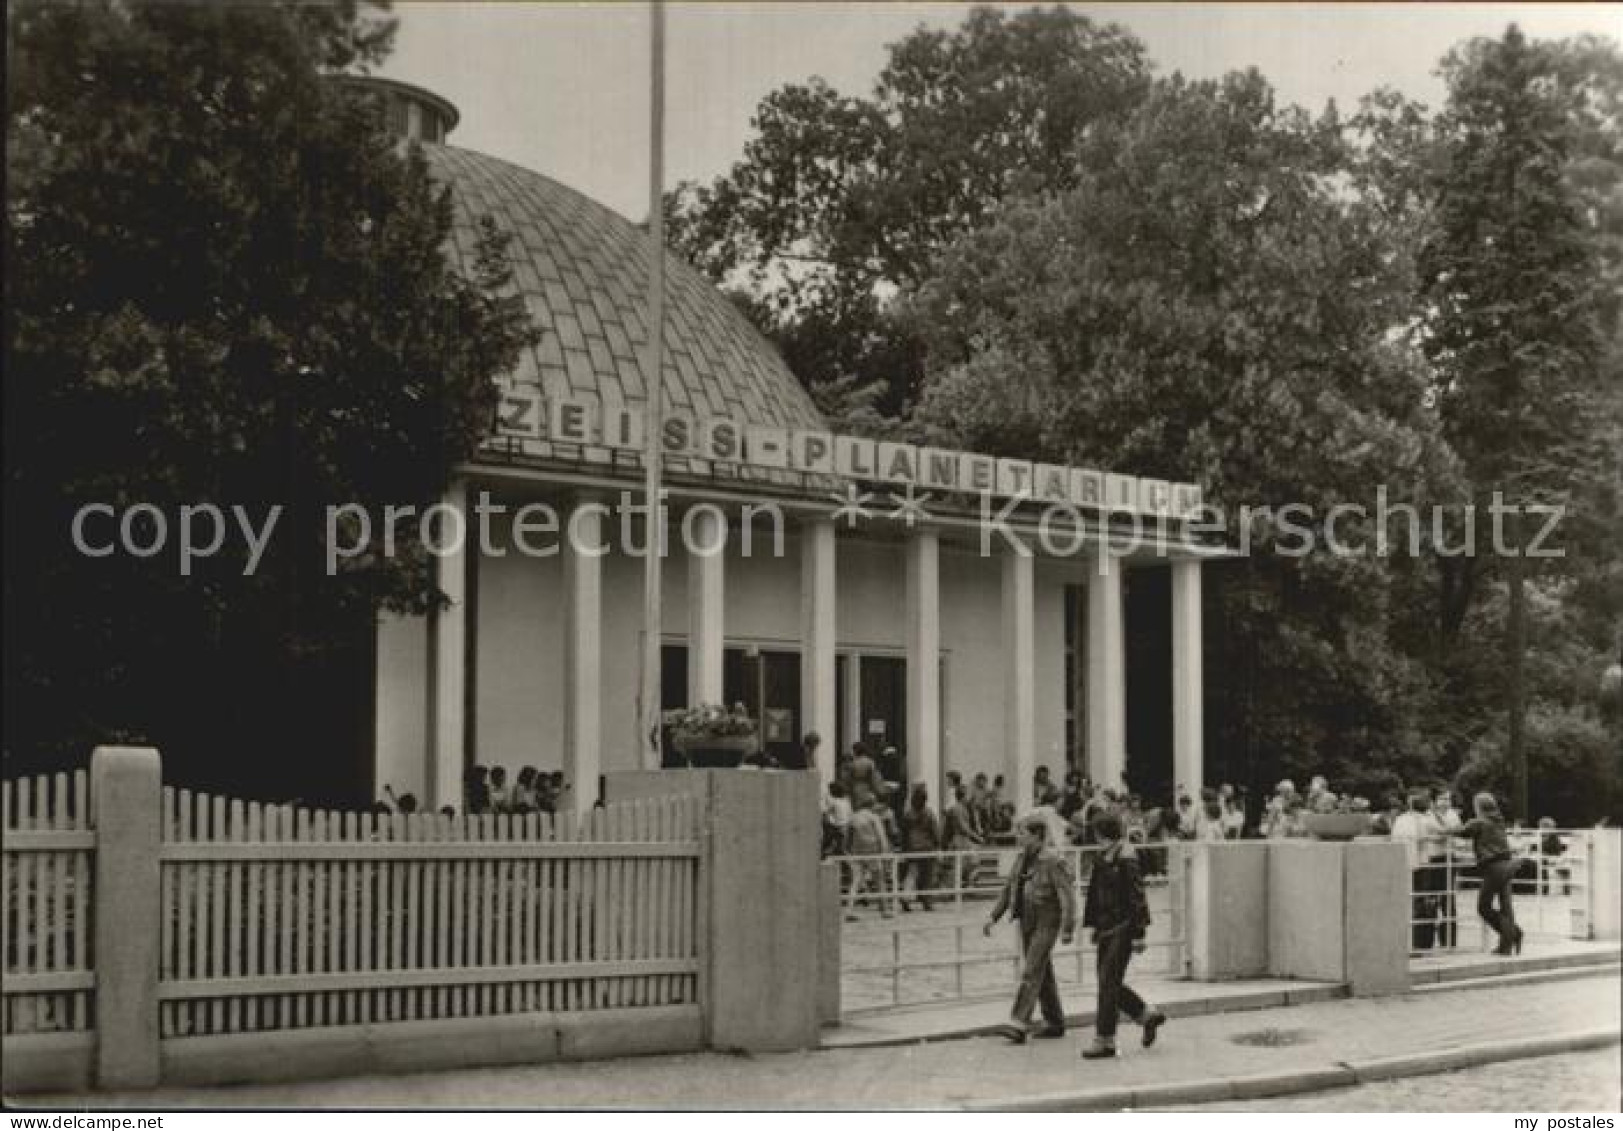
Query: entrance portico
point(953, 649)
point(865, 619)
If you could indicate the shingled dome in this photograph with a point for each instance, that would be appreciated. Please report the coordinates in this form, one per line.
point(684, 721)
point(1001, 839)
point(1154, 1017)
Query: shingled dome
point(583, 271)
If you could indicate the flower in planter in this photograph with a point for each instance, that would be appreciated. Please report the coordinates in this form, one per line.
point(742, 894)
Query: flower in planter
point(710, 721)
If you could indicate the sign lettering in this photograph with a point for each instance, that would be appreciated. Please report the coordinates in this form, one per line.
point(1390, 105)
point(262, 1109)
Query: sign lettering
point(524, 413)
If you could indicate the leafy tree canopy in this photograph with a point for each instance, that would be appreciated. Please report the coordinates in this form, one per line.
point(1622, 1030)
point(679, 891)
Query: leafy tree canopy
point(1208, 303)
point(227, 286)
point(1188, 280)
point(840, 200)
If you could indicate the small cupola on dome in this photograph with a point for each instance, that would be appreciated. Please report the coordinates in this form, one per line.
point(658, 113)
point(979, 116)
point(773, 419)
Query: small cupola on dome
point(410, 112)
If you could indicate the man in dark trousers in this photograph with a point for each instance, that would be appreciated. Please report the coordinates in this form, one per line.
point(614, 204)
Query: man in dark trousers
point(1118, 915)
point(1040, 893)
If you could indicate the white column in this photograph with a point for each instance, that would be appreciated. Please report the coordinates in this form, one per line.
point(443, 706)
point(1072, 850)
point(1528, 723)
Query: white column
point(1020, 671)
point(705, 531)
point(447, 654)
point(583, 650)
point(1107, 677)
point(924, 661)
point(817, 667)
point(1188, 722)
point(853, 704)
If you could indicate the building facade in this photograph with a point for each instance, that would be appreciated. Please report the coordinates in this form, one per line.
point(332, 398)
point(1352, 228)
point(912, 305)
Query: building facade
point(877, 597)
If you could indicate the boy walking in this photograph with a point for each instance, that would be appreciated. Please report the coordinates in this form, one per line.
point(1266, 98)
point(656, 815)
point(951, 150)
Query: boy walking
point(1039, 894)
point(1118, 914)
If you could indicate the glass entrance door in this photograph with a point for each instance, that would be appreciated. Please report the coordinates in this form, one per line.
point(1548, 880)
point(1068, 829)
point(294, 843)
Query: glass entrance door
point(883, 706)
point(767, 682)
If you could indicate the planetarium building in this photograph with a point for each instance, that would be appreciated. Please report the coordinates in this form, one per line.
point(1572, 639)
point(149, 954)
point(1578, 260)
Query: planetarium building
point(872, 602)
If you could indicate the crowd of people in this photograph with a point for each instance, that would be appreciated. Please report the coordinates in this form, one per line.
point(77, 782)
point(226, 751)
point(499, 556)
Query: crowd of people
point(868, 815)
point(485, 791)
point(976, 812)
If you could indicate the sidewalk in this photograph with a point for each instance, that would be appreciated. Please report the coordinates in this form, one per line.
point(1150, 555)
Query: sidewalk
point(1181, 998)
point(1310, 1043)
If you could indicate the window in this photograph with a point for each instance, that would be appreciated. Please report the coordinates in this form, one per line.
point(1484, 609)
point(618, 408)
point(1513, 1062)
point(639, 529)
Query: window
point(1076, 677)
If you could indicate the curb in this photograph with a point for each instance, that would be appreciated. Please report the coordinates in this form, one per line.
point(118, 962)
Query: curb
point(1470, 1056)
point(1342, 1075)
point(1531, 978)
point(1510, 967)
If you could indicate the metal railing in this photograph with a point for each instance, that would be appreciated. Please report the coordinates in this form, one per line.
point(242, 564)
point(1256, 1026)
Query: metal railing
point(1549, 894)
point(914, 923)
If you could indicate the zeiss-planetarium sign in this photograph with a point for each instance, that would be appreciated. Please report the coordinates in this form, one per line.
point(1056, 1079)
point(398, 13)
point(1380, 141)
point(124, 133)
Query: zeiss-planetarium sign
point(525, 414)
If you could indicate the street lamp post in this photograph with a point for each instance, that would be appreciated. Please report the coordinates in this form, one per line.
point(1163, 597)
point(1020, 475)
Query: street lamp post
point(653, 367)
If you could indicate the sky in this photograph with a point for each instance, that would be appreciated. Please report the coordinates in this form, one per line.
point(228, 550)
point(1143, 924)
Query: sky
point(564, 88)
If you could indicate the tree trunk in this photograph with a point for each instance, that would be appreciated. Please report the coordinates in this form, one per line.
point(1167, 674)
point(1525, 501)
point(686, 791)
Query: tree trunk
point(1516, 684)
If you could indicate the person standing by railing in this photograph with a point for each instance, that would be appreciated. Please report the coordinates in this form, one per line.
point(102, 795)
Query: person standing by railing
point(476, 790)
point(1421, 836)
point(1047, 808)
point(869, 840)
point(1119, 917)
point(836, 820)
point(921, 833)
point(1448, 819)
point(1072, 800)
point(1209, 825)
point(524, 800)
point(959, 829)
point(1185, 823)
point(501, 798)
point(1000, 812)
point(960, 834)
point(1550, 850)
point(1491, 846)
point(864, 777)
point(1040, 894)
point(1233, 808)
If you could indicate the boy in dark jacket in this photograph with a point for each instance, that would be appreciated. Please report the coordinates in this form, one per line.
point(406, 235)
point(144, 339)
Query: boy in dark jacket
point(1118, 914)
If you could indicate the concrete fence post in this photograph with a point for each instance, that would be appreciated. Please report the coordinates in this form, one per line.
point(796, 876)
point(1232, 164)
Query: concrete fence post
point(1227, 928)
point(1339, 912)
point(1306, 935)
point(768, 916)
point(830, 923)
point(126, 785)
point(764, 903)
point(1376, 917)
point(1605, 883)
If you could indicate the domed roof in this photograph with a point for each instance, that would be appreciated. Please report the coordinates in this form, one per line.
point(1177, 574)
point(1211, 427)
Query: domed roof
point(582, 270)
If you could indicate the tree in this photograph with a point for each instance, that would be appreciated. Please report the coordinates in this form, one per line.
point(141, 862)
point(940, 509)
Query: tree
point(840, 201)
point(227, 286)
point(1512, 328)
point(1210, 302)
point(1203, 285)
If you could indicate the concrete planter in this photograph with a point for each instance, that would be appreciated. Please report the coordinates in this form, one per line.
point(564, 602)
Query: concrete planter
point(1338, 826)
point(718, 752)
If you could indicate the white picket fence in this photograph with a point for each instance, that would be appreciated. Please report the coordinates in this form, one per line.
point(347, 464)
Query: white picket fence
point(276, 918)
point(45, 905)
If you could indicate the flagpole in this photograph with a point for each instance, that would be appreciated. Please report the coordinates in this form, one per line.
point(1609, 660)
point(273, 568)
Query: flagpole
point(653, 379)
